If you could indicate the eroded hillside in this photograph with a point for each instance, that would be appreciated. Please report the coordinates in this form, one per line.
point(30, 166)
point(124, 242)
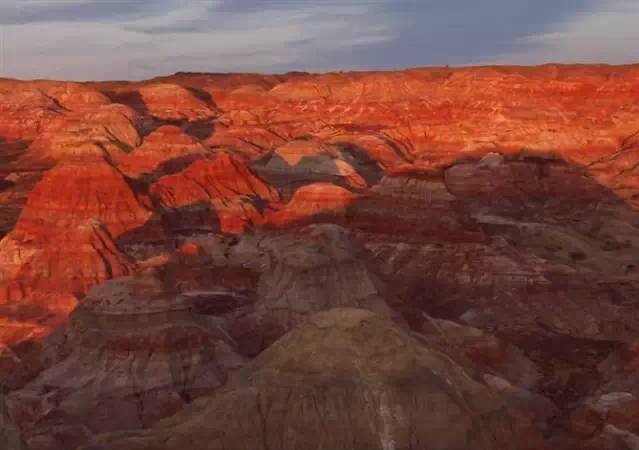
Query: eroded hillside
point(431, 258)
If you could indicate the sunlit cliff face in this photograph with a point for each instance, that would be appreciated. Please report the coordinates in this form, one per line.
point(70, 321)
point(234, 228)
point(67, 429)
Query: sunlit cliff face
point(395, 251)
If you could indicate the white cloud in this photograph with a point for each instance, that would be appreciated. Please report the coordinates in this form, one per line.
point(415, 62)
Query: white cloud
point(183, 14)
point(163, 43)
point(608, 34)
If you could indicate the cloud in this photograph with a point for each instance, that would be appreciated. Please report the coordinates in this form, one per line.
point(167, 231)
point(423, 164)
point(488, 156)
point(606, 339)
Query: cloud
point(36, 11)
point(606, 34)
point(134, 39)
point(189, 17)
point(192, 35)
point(459, 32)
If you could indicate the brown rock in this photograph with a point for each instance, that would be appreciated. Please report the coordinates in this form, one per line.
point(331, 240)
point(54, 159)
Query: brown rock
point(308, 161)
point(134, 352)
point(350, 372)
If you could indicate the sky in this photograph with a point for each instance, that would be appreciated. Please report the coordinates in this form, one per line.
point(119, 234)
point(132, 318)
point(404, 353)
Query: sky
point(137, 39)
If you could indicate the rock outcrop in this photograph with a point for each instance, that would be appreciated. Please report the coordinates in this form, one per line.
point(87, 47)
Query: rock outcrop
point(9, 435)
point(42, 275)
point(301, 162)
point(63, 242)
point(350, 372)
point(168, 148)
point(25, 110)
point(236, 195)
point(67, 261)
point(173, 102)
point(76, 191)
point(129, 379)
point(311, 269)
point(313, 202)
point(107, 131)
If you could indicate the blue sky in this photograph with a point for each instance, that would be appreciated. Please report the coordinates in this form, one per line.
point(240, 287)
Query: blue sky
point(135, 39)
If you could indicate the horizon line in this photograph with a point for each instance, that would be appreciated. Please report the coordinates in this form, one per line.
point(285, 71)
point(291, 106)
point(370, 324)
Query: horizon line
point(331, 72)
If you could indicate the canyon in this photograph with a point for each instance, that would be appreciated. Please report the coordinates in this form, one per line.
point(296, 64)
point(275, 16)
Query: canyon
point(433, 258)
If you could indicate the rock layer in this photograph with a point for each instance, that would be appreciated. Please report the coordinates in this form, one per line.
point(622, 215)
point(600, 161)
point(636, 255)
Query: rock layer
point(488, 216)
point(63, 242)
point(129, 379)
point(167, 147)
point(236, 195)
point(350, 372)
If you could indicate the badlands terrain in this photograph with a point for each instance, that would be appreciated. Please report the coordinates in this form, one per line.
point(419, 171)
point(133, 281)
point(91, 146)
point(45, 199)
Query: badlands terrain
point(428, 259)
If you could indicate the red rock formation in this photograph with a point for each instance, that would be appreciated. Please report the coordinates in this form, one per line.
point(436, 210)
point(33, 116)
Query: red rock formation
point(73, 96)
point(249, 140)
point(107, 131)
point(166, 146)
point(33, 322)
point(190, 249)
point(172, 101)
point(226, 183)
point(312, 202)
point(427, 114)
point(79, 190)
point(377, 148)
point(25, 112)
point(41, 272)
point(165, 101)
point(62, 117)
point(63, 241)
point(64, 260)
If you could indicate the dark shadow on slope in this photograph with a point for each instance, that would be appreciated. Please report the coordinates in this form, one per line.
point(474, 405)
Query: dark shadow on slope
point(6, 184)
point(529, 230)
point(259, 203)
point(23, 176)
point(131, 98)
point(166, 226)
point(195, 218)
point(366, 166)
point(529, 248)
point(203, 95)
point(536, 205)
point(200, 129)
point(10, 154)
point(176, 165)
point(416, 207)
point(319, 168)
point(170, 167)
